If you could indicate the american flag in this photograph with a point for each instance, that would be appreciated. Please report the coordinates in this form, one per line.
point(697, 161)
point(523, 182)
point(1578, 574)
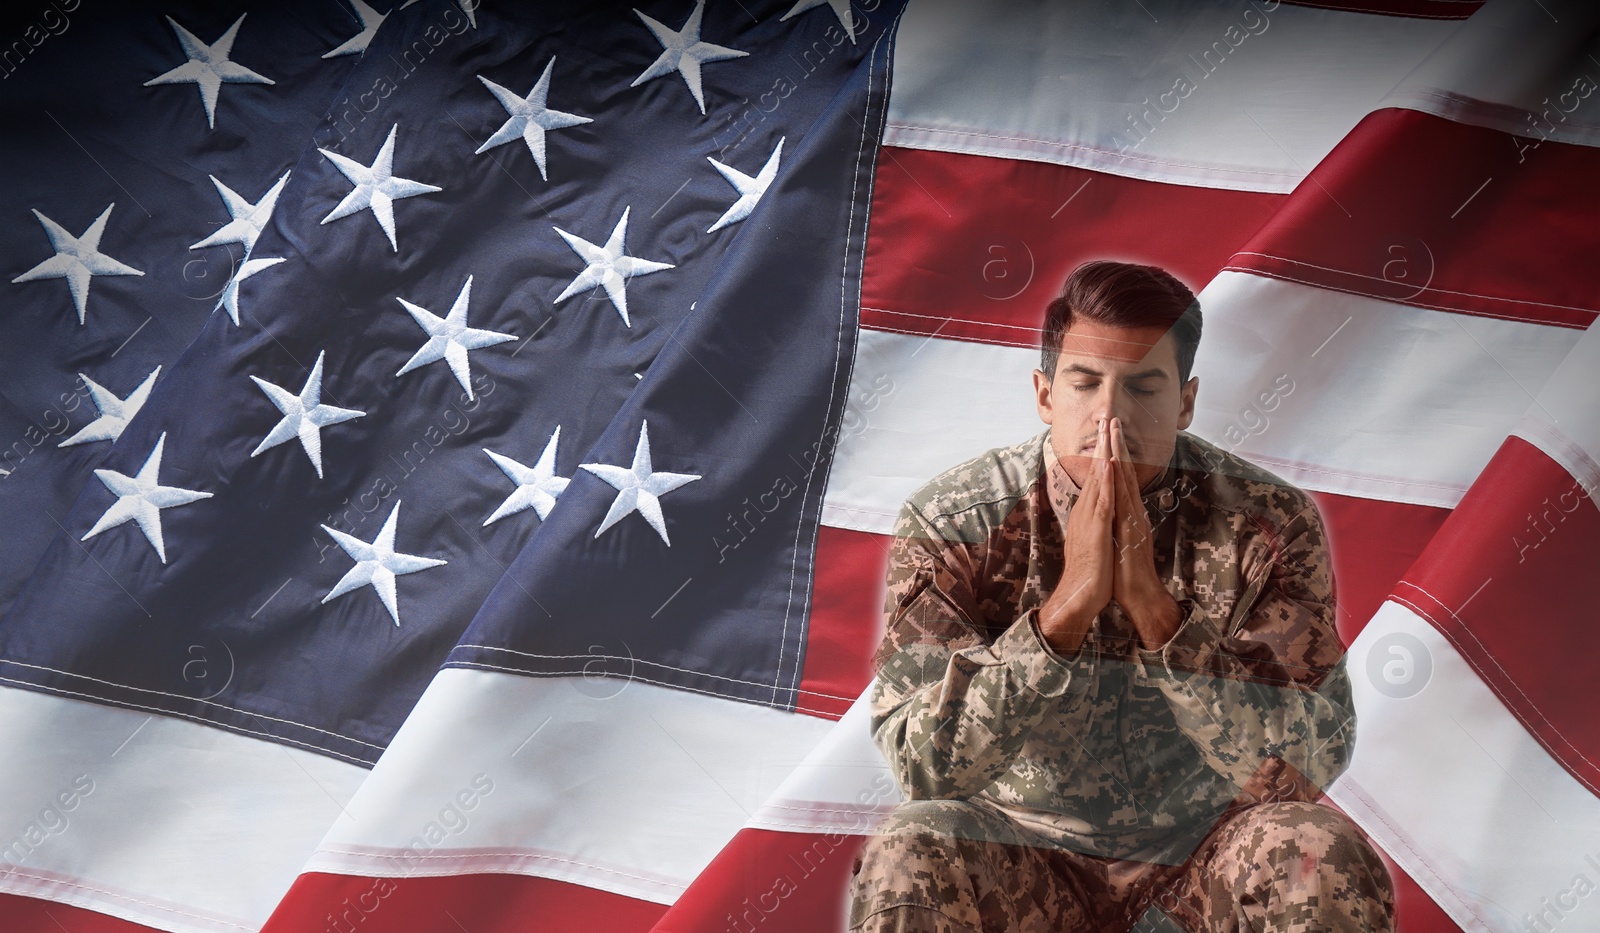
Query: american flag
point(649, 319)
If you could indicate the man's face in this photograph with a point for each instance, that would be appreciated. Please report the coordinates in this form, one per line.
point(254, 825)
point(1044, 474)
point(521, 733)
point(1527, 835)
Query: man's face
point(1108, 372)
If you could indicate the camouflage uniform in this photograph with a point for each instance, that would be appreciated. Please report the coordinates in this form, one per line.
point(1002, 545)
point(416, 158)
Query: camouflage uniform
point(1048, 792)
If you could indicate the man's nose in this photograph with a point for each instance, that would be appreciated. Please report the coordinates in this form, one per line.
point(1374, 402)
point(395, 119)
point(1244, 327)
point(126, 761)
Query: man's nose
point(1101, 415)
point(1111, 403)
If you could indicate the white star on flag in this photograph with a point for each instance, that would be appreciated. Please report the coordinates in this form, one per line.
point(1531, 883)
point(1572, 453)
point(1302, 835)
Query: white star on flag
point(77, 258)
point(208, 66)
point(841, 9)
point(529, 117)
point(230, 292)
point(376, 187)
point(248, 219)
point(115, 413)
point(639, 487)
point(683, 52)
point(449, 338)
point(377, 564)
point(370, 21)
point(608, 266)
point(141, 497)
point(750, 189)
point(538, 487)
point(304, 415)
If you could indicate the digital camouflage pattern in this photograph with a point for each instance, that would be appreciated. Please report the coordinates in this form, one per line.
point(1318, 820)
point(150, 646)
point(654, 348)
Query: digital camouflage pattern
point(954, 866)
point(1117, 752)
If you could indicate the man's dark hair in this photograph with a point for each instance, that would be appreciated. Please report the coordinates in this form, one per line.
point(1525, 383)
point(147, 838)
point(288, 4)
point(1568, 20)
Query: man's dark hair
point(1123, 294)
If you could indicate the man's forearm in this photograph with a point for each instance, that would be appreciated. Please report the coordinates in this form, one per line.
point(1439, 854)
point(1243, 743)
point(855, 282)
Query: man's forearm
point(955, 735)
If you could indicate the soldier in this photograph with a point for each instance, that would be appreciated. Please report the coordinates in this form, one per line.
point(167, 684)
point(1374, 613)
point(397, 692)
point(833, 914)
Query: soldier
point(1110, 686)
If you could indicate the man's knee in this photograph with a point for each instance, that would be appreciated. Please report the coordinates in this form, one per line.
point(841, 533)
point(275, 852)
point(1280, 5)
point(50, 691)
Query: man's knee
point(944, 865)
point(921, 833)
point(1312, 830)
point(1312, 857)
point(955, 819)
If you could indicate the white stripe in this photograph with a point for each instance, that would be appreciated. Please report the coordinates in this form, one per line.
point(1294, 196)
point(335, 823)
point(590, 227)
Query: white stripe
point(1457, 791)
point(1513, 59)
point(1388, 401)
point(182, 827)
point(1054, 82)
point(1565, 421)
point(609, 783)
point(939, 402)
point(843, 786)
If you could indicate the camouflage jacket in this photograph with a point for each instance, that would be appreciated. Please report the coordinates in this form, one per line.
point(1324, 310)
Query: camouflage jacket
point(1116, 751)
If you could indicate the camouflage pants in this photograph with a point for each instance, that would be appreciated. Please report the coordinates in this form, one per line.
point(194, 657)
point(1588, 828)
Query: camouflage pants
point(957, 866)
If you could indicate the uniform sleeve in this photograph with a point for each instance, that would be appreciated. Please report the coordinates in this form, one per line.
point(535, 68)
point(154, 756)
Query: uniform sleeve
point(951, 708)
point(1265, 696)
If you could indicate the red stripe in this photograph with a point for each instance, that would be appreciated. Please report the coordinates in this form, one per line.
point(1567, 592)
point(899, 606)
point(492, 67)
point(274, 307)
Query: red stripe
point(772, 882)
point(1372, 543)
point(1505, 581)
point(20, 914)
point(974, 247)
point(846, 617)
point(1420, 210)
point(480, 903)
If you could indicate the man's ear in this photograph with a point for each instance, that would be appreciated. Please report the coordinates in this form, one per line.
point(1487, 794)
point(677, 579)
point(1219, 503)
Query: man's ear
point(1186, 406)
point(1041, 396)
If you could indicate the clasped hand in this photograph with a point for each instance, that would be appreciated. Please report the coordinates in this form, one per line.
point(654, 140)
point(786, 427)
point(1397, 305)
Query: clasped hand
point(1110, 555)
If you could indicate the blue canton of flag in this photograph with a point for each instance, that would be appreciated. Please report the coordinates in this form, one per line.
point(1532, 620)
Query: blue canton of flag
point(484, 377)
